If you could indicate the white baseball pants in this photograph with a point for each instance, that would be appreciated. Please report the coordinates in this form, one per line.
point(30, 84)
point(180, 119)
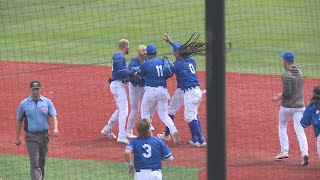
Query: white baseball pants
point(192, 100)
point(135, 95)
point(318, 145)
point(118, 90)
point(176, 101)
point(284, 115)
point(157, 98)
point(146, 174)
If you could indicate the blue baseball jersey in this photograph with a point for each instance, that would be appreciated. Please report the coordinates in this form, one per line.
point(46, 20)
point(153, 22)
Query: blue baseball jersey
point(148, 152)
point(36, 113)
point(135, 81)
point(185, 70)
point(153, 72)
point(311, 116)
point(119, 69)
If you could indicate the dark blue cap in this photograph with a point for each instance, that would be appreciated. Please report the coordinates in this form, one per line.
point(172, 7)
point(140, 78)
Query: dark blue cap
point(288, 56)
point(151, 49)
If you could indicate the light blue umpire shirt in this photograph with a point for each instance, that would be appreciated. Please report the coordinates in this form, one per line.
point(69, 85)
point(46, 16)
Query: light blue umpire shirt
point(36, 113)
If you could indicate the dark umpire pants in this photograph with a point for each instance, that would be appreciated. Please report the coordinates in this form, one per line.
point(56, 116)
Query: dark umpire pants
point(37, 145)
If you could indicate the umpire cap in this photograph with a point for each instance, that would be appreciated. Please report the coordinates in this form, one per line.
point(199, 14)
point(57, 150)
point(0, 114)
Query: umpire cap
point(35, 84)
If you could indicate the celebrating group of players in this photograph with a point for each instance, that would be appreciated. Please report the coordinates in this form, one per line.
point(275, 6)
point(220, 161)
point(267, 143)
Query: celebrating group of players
point(147, 75)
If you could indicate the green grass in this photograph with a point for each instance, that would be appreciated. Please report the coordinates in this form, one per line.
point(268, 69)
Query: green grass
point(17, 167)
point(260, 30)
point(86, 32)
point(81, 31)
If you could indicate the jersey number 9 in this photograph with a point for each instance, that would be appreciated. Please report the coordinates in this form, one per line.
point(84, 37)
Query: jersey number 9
point(147, 154)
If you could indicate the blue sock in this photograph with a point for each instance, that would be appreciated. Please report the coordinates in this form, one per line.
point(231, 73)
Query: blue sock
point(197, 131)
point(199, 123)
point(167, 129)
point(193, 134)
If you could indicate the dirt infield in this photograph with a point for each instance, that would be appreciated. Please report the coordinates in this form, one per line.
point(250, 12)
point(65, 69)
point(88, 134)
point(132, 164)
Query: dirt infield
point(84, 104)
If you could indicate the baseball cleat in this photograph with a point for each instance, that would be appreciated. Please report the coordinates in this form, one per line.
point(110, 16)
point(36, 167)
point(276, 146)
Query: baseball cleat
point(305, 160)
point(192, 143)
point(176, 138)
point(109, 135)
point(163, 137)
point(197, 144)
point(131, 136)
point(123, 140)
point(282, 155)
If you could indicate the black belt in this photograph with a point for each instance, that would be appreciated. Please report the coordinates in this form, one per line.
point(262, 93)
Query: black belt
point(138, 170)
point(157, 87)
point(37, 132)
point(136, 85)
point(188, 89)
point(124, 82)
point(110, 80)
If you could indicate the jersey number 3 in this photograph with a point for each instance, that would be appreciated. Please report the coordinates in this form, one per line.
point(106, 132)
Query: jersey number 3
point(147, 154)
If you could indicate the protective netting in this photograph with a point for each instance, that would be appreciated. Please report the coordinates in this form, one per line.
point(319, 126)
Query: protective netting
point(256, 33)
point(67, 45)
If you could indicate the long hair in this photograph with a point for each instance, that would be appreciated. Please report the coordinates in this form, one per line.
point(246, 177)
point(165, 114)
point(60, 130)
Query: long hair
point(192, 47)
point(316, 96)
point(143, 128)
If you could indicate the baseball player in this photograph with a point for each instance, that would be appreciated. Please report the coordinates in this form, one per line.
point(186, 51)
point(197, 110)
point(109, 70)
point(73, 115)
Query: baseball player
point(120, 76)
point(35, 111)
point(185, 70)
point(292, 106)
point(148, 152)
point(136, 90)
point(311, 116)
point(156, 95)
point(177, 99)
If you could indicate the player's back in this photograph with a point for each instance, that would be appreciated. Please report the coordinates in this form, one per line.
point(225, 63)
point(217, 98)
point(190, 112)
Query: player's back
point(152, 72)
point(185, 70)
point(148, 153)
point(118, 64)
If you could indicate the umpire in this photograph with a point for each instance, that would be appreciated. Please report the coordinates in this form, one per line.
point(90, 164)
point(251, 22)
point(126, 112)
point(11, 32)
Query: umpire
point(35, 111)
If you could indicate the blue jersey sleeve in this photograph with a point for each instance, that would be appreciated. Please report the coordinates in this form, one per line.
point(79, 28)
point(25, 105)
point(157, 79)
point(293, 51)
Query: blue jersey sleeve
point(20, 113)
point(51, 109)
point(120, 63)
point(165, 151)
point(307, 117)
point(132, 64)
point(167, 72)
point(130, 146)
point(142, 71)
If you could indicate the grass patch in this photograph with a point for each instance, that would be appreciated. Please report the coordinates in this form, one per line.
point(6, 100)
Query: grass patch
point(17, 167)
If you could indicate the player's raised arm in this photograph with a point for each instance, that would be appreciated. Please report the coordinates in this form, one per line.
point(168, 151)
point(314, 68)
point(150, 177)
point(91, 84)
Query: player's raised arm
point(167, 38)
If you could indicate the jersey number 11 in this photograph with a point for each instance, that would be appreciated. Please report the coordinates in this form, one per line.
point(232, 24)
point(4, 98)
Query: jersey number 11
point(159, 70)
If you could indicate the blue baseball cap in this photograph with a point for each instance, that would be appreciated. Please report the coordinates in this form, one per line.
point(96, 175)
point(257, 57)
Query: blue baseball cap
point(151, 49)
point(175, 46)
point(288, 56)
